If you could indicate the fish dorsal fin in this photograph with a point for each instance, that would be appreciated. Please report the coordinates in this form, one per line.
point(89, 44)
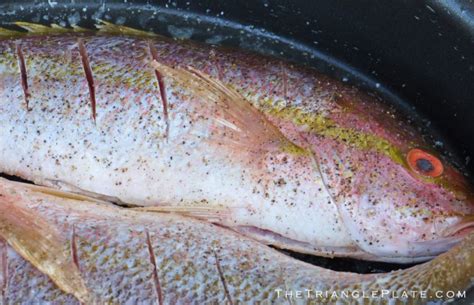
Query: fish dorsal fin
point(79, 29)
point(245, 125)
point(9, 33)
point(101, 26)
point(41, 29)
point(36, 28)
point(39, 242)
point(110, 28)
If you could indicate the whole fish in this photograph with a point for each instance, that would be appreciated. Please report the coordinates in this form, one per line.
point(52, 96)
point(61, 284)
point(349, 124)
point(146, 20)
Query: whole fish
point(275, 151)
point(96, 253)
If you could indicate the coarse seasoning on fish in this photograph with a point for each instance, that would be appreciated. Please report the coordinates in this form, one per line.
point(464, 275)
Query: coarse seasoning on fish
point(97, 253)
point(275, 151)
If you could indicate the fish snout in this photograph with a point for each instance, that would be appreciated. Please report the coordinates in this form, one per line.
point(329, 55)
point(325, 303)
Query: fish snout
point(463, 227)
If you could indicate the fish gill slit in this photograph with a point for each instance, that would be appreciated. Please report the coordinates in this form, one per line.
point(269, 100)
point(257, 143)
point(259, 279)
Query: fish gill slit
point(161, 88)
point(222, 278)
point(89, 77)
point(23, 75)
point(4, 270)
point(156, 279)
point(315, 158)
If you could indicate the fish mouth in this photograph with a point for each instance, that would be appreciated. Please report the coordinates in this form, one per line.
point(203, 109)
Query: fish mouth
point(462, 228)
point(448, 238)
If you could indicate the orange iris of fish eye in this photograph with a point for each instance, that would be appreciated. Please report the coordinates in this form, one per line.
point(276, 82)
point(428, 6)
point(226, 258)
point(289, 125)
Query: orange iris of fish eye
point(424, 163)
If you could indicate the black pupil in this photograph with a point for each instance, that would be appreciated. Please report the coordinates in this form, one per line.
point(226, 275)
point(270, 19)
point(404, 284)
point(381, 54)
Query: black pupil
point(424, 165)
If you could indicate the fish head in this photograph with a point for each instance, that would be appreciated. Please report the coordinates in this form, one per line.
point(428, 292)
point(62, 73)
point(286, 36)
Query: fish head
point(400, 199)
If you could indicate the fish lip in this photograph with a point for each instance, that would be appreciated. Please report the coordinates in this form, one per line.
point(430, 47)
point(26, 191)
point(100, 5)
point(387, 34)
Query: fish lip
point(438, 246)
point(450, 236)
point(462, 228)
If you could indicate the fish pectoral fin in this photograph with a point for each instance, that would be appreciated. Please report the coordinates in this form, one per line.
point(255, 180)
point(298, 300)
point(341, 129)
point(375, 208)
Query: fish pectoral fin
point(239, 122)
point(206, 213)
point(39, 242)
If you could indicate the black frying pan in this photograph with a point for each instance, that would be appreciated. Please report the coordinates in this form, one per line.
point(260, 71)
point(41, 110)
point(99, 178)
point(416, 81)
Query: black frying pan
point(418, 55)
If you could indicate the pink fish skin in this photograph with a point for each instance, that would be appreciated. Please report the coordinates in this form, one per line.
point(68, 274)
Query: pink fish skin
point(275, 151)
point(129, 257)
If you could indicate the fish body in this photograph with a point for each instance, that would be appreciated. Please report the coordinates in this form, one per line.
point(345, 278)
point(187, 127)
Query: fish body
point(277, 152)
point(125, 256)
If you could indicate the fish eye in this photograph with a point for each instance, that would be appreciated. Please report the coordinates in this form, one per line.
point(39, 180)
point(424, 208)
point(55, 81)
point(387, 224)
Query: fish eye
point(424, 163)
